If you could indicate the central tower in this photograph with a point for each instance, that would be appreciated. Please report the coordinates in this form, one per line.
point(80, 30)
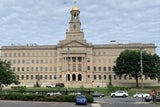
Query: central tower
point(75, 32)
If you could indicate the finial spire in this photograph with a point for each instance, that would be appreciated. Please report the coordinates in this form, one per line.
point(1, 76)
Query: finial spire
point(75, 2)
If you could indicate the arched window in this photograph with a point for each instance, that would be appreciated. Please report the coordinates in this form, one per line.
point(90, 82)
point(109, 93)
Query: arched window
point(79, 77)
point(68, 77)
point(74, 77)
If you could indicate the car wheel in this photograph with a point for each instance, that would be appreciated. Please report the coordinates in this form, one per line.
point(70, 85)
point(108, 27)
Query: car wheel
point(124, 96)
point(113, 95)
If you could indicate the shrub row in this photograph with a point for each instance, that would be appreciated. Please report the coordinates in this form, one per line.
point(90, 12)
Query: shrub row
point(32, 97)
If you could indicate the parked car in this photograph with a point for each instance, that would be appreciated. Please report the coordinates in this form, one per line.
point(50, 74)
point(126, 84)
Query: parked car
point(51, 85)
point(158, 98)
point(148, 98)
point(139, 95)
point(119, 94)
point(81, 99)
point(75, 93)
point(55, 85)
point(97, 94)
point(53, 93)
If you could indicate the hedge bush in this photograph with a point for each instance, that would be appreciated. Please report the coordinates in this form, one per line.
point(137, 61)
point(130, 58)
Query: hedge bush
point(33, 97)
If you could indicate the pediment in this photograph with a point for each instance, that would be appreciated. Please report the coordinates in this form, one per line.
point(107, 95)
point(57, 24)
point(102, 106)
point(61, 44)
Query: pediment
point(74, 44)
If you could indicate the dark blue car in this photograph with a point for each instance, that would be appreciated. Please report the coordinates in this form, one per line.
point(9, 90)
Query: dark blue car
point(81, 99)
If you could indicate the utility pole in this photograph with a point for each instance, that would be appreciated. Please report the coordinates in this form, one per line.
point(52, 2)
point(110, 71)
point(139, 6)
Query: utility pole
point(141, 60)
point(67, 73)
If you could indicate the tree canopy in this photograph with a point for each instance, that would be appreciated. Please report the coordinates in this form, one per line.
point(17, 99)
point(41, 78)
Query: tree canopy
point(129, 63)
point(7, 76)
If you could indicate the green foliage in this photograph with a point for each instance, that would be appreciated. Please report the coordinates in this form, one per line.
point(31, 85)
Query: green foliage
point(128, 63)
point(82, 88)
point(24, 97)
point(33, 97)
point(7, 76)
point(110, 89)
point(21, 89)
point(90, 98)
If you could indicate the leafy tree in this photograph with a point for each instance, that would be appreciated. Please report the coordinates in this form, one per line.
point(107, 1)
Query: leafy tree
point(128, 63)
point(7, 76)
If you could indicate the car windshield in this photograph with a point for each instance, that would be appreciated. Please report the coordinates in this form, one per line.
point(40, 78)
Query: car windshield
point(80, 96)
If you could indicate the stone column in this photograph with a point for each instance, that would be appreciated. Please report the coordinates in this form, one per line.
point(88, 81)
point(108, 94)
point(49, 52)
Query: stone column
point(76, 64)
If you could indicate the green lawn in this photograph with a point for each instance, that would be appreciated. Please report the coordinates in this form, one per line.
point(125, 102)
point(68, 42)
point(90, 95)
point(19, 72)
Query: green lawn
point(106, 91)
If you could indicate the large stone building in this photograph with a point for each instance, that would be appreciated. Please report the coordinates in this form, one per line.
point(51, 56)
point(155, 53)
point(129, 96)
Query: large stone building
point(72, 61)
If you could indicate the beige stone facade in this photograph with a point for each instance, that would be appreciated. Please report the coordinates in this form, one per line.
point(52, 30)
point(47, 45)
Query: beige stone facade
point(72, 61)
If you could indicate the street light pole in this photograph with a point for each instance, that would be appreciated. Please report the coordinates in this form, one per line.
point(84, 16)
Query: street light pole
point(141, 71)
point(67, 78)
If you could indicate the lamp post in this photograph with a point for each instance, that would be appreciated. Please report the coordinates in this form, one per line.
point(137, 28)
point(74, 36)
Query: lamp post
point(141, 60)
point(67, 74)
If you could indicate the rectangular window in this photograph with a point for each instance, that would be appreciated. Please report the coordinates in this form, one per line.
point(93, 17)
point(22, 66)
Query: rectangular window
point(79, 67)
point(27, 68)
point(94, 68)
point(22, 68)
point(115, 77)
point(45, 77)
point(27, 77)
point(95, 77)
point(50, 76)
point(130, 77)
point(125, 77)
point(88, 68)
point(31, 76)
point(105, 77)
point(109, 68)
point(32, 68)
point(99, 77)
point(120, 77)
point(13, 68)
point(55, 77)
point(99, 68)
point(18, 68)
point(104, 68)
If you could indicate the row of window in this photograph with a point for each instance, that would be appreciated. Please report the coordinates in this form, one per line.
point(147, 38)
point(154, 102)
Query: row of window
point(101, 68)
point(45, 68)
point(27, 77)
point(46, 61)
point(32, 61)
point(79, 77)
point(35, 68)
point(115, 77)
point(29, 54)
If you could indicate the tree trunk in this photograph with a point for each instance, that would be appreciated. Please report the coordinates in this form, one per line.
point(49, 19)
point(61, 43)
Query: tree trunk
point(137, 85)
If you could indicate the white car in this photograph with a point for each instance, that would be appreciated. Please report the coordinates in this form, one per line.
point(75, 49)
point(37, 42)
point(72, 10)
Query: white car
point(53, 93)
point(139, 95)
point(51, 85)
point(119, 94)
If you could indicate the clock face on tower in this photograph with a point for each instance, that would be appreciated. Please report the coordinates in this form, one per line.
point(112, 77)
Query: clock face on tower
point(74, 26)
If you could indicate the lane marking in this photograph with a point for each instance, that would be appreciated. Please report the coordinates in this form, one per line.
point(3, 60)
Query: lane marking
point(95, 105)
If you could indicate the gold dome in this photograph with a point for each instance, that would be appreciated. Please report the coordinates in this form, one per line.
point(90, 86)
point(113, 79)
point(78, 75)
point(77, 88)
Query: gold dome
point(75, 8)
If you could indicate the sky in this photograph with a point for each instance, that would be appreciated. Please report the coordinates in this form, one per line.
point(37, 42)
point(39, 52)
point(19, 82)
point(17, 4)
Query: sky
point(44, 22)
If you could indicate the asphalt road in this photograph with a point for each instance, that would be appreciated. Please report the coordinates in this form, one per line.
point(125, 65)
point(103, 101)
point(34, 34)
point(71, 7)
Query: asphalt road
point(99, 102)
point(39, 104)
point(123, 102)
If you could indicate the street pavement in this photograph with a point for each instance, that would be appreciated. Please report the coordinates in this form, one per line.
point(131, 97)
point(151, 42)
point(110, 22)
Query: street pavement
point(99, 102)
